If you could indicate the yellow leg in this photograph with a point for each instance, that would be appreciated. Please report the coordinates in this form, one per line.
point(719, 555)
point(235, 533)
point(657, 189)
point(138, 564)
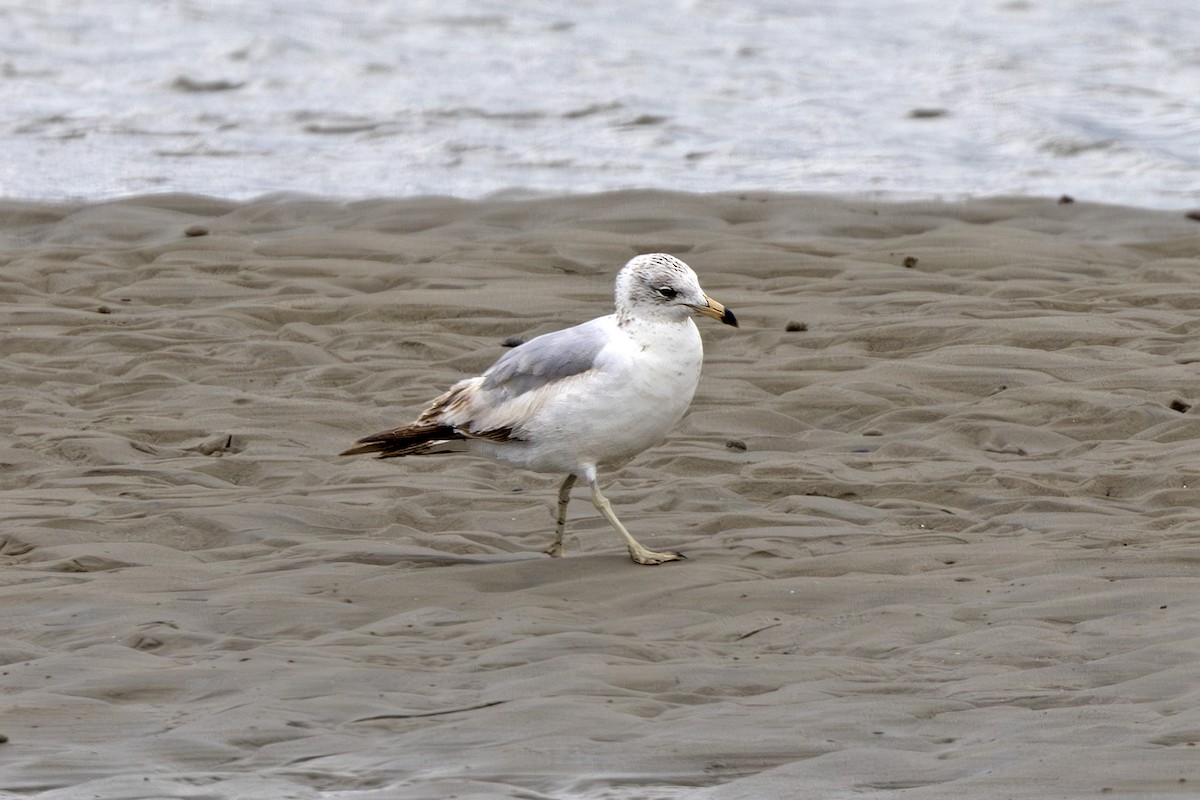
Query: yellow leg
point(639, 554)
point(560, 519)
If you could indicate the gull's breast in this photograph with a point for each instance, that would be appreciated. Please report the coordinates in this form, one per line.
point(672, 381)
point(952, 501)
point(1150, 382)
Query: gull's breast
point(605, 416)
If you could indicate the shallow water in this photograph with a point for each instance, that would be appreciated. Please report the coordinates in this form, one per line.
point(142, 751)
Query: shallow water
point(1093, 99)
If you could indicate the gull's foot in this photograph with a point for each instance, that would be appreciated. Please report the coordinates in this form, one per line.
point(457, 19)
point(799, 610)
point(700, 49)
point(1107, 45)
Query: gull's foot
point(649, 557)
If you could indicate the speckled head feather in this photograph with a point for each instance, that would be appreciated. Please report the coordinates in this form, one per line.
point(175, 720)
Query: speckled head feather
point(657, 286)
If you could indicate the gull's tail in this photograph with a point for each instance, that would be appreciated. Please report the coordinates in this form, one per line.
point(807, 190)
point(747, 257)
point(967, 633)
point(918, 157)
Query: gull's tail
point(410, 440)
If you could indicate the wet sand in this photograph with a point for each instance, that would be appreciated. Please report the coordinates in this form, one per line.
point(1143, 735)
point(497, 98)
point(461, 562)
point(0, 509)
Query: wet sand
point(939, 496)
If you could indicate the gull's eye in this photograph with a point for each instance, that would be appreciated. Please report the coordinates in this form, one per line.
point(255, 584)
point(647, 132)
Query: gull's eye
point(667, 292)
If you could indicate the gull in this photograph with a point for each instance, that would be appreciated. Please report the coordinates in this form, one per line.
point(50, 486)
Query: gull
point(580, 399)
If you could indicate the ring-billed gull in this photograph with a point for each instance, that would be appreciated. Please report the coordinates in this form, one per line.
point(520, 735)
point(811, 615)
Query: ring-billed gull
point(582, 398)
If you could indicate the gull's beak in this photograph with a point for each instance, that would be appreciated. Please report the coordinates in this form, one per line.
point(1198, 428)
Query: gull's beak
point(713, 309)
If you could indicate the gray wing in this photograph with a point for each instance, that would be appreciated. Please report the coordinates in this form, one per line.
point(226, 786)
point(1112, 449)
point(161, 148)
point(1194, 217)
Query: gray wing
point(547, 358)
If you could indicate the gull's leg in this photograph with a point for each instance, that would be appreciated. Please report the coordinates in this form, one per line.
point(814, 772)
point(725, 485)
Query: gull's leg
point(560, 519)
point(639, 554)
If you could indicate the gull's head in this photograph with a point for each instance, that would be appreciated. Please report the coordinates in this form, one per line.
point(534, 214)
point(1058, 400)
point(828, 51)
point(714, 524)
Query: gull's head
point(659, 286)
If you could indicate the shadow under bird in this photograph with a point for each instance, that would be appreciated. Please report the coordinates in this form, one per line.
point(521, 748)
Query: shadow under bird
point(580, 399)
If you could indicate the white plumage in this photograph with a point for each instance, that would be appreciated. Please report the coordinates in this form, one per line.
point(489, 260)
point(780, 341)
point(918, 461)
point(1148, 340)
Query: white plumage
point(588, 397)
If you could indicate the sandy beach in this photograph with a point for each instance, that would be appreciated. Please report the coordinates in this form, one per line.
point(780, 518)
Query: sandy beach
point(940, 495)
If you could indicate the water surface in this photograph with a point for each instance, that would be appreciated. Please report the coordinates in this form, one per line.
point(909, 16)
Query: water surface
point(1089, 98)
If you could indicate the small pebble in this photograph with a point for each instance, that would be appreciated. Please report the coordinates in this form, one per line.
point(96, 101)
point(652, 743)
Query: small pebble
point(1066, 199)
point(103, 310)
point(735, 444)
point(910, 261)
point(793, 327)
point(196, 230)
point(1180, 406)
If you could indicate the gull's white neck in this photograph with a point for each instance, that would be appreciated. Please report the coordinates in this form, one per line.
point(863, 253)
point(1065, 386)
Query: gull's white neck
point(663, 334)
point(653, 316)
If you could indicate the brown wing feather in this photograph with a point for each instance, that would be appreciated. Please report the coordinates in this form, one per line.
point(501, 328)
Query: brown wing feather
point(406, 440)
point(431, 431)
